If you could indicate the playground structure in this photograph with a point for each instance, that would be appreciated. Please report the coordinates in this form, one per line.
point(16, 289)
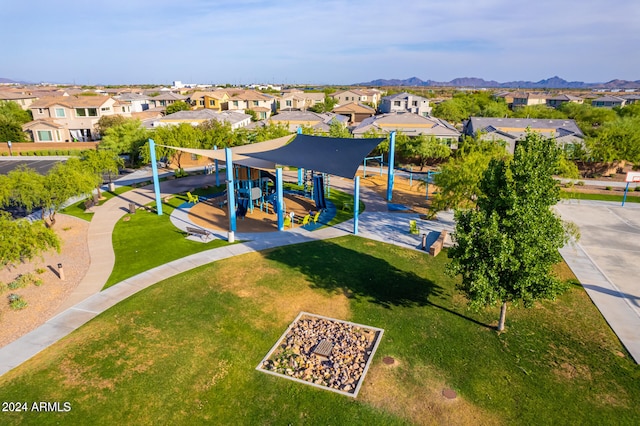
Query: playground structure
point(326, 155)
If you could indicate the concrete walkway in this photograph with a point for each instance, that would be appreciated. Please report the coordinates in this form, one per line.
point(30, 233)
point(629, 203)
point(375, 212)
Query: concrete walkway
point(605, 261)
point(88, 301)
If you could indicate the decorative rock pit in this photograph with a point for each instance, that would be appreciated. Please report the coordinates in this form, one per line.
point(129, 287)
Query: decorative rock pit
point(324, 352)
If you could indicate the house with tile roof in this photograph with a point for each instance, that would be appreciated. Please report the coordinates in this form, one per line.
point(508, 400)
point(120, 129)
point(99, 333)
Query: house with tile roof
point(135, 101)
point(299, 101)
point(70, 118)
point(411, 125)
point(356, 112)
point(165, 99)
point(235, 118)
point(405, 102)
point(510, 130)
point(22, 99)
point(319, 122)
point(523, 99)
point(608, 102)
point(370, 96)
point(264, 105)
point(559, 100)
point(215, 100)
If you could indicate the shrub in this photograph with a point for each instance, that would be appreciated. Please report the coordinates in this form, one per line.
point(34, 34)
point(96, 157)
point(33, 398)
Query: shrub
point(16, 302)
point(3, 287)
point(24, 280)
point(637, 188)
point(180, 173)
point(608, 188)
point(580, 183)
point(40, 271)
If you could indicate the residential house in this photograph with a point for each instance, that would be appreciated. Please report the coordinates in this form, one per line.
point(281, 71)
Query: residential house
point(165, 99)
point(559, 100)
point(369, 96)
point(507, 96)
point(405, 102)
point(262, 104)
point(299, 100)
point(22, 99)
point(411, 125)
point(197, 117)
point(528, 99)
point(509, 130)
point(134, 101)
point(630, 99)
point(319, 122)
point(69, 118)
point(608, 102)
point(355, 111)
point(215, 100)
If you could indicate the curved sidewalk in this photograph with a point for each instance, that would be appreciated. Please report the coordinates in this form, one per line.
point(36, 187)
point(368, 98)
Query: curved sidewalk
point(88, 301)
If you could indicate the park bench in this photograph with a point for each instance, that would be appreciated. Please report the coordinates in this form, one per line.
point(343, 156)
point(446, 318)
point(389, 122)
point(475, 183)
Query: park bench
point(198, 232)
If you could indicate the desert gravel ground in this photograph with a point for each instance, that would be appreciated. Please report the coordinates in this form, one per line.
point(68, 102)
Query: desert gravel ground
point(44, 300)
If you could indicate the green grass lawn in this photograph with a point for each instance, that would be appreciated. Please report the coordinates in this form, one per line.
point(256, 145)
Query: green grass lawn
point(632, 196)
point(78, 209)
point(185, 350)
point(145, 240)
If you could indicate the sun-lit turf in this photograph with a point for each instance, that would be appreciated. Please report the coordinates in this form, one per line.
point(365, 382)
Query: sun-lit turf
point(632, 196)
point(144, 240)
point(78, 209)
point(184, 351)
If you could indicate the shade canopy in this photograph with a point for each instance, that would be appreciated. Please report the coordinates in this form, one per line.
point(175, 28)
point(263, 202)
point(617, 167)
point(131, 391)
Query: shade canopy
point(335, 156)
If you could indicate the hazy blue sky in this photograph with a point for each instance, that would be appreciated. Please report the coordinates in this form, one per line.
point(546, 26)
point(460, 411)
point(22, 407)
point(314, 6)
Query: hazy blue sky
point(317, 41)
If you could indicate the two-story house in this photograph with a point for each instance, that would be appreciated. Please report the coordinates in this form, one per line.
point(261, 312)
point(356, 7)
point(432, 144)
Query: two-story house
point(405, 102)
point(559, 100)
point(262, 104)
point(370, 96)
point(299, 100)
point(135, 102)
point(215, 100)
point(165, 99)
point(528, 99)
point(69, 118)
point(22, 99)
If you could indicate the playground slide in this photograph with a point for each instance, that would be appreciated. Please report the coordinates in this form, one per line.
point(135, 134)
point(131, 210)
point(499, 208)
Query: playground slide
point(318, 192)
point(241, 209)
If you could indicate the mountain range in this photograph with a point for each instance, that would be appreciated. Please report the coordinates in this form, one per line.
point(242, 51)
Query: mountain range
point(549, 83)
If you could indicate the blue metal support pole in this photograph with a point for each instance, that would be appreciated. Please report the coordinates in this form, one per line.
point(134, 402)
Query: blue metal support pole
point(154, 171)
point(280, 199)
point(299, 130)
point(626, 189)
point(364, 168)
point(216, 163)
point(356, 204)
point(390, 175)
point(231, 200)
point(299, 176)
point(410, 176)
point(427, 185)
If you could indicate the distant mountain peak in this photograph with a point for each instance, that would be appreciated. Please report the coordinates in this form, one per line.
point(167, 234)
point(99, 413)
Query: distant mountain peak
point(554, 82)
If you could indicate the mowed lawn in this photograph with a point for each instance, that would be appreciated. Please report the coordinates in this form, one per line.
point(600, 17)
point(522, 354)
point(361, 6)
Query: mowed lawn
point(185, 350)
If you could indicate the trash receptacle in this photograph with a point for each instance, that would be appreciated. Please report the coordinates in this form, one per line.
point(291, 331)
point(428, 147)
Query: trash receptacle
point(132, 208)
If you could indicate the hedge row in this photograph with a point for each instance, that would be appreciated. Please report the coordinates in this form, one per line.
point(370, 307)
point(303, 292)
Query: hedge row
point(44, 152)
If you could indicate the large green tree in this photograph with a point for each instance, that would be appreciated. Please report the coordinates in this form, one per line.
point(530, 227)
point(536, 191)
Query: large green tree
point(425, 148)
point(26, 188)
point(23, 240)
point(125, 138)
point(64, 181)
point(12, 117)
point(101, 162)
point(506, 247)
point(183, 135)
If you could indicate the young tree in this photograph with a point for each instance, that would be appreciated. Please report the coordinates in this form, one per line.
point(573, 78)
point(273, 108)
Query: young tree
point(506, 247)
point(339, 130)
point(125, 138)
point(26, 188)
point(64, 181)
point(101, 162)
point(425, 148)
point(20, 239)
point(183, 135)
point(178, 106)
point(107, 121)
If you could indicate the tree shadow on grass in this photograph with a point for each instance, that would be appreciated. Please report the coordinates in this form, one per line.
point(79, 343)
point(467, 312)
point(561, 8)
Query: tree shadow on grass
point(336, 268)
